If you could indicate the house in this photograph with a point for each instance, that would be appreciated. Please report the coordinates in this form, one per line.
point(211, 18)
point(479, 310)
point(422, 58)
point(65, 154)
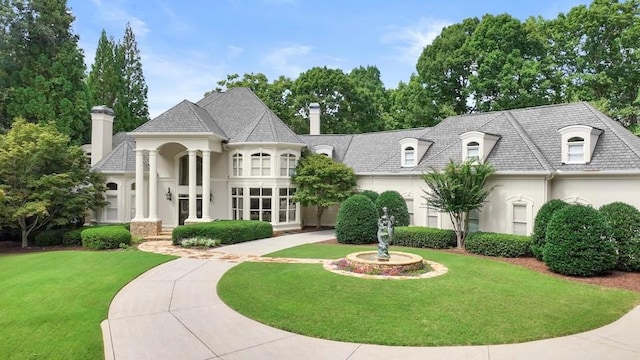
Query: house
point(228, 156)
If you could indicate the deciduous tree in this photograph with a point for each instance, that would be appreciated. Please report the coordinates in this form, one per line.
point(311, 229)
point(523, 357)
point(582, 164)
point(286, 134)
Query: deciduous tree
point(322, 182)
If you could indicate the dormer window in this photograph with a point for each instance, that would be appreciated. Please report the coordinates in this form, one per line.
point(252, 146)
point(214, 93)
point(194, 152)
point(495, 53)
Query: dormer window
point(578, 143)
point(409, 156)
point(324, 150)
point(575, 150)
point(473, 151)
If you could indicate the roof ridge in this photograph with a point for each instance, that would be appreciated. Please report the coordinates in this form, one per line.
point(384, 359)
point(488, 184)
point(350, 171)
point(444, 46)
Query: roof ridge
point(217, 96)
point(254, 123)
point(527, 140)
point(191, 105)
point(597, 113)
point(110, 155)
point(346, 150)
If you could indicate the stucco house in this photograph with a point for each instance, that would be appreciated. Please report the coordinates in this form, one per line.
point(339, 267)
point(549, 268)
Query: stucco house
point(228, 156)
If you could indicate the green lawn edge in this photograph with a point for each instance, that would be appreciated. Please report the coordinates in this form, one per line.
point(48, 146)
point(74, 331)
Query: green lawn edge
point(478, 302)
point(52, 303)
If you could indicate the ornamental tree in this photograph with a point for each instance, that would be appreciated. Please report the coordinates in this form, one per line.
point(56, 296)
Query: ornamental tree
point(322, 182)
point(458, 189)
point(45, 181)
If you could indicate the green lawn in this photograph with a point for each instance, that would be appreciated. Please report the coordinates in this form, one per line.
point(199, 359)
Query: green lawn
point(477, 302)
point(52, 303)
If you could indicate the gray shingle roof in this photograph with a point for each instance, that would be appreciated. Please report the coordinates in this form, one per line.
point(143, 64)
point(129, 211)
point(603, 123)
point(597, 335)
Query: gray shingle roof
point(184, 117)
point(122, 159)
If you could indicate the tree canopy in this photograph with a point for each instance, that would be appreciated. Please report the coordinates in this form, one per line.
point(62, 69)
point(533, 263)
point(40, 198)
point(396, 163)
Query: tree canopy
point(322, 182)
point(45, 181)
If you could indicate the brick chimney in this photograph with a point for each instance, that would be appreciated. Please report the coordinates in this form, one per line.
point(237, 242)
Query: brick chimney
point(101, 132)
point(314, 119)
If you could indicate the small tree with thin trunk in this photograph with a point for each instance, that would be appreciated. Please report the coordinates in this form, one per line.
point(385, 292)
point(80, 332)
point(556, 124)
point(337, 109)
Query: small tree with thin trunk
point(322, 182)
point(458, 189)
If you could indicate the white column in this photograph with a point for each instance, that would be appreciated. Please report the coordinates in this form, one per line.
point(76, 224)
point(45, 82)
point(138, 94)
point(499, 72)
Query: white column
point(153, 185)
point(206, 183)
point(139, 185)
point(192, 186)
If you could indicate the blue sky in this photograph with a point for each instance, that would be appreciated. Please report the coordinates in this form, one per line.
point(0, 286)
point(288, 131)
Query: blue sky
point(189, 45)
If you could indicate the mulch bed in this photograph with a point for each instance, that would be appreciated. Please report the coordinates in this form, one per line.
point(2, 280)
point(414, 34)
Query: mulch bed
point(615, 279)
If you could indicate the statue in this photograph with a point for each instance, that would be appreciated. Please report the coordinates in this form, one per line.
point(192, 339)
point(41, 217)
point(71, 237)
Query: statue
point(385, 234)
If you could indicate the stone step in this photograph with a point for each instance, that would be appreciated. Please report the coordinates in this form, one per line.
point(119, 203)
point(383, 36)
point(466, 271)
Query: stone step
point(158, 237)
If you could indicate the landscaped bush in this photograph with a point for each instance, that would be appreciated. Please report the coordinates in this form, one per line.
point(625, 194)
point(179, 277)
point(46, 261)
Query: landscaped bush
point(423, 237)
point(396, 205)
point(357, 221)
point(105, 237)
point(227, 231)
point(624, 221)
point(52, 237)
point(578, 242)
point(494, 244)
point(370, 194)
point(72, 237)
point(540, 225)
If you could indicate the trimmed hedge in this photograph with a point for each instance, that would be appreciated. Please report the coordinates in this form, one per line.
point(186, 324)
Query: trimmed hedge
point(227, 231)
point(423, 237)
point(357, 221)
point(578, 242)
point(396, 206)
point(495, 244)
point(52, 237)
point(73, 237)
point(370, 194)
point(540, 225)
point(624, 220)
point(105, 237)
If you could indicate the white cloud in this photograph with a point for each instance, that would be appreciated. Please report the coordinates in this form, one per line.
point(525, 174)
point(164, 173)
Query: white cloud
point(114, 12)
point(286, 60)
point(234, 51)
point(409, 41)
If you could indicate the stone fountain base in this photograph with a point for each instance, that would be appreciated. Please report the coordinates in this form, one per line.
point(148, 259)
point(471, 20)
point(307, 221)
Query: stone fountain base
point(398, 262)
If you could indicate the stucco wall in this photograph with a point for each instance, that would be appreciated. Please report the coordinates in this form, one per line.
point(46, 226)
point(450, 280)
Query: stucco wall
point(597, 190)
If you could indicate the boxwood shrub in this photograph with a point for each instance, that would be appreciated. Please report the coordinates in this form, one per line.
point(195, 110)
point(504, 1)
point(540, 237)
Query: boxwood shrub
point(227, 231)
point(494, 244)
point(370, 194)
point(52, 237)
point(578, 242)
point(72, 237)
point(395, 204)
point(624, 221)
point(540, 225)
point(105, 237)
point(357, 221)
point(423, 237)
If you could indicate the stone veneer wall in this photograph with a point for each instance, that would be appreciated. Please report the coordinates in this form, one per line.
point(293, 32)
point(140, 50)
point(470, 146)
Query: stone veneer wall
point(146, 228)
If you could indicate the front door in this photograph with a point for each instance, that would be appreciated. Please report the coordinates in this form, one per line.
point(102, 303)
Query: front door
point(183, 210)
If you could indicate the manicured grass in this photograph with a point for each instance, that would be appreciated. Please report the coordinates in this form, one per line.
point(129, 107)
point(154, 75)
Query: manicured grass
point(477, 302)
point(51, 304)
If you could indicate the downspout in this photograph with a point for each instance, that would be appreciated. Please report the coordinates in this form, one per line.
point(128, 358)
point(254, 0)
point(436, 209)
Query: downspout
point(547, 184)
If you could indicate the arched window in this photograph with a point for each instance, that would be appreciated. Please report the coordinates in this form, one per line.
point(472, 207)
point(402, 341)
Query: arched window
point(287, 164)
point(575, 150)
point(473, 151)
point(237, 164)
point(111, 209)
point(260, 164)
point(184, 170)
point(409, 156)
point(112, 186)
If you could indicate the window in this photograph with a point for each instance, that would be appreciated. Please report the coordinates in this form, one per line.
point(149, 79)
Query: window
point(575, 150)
point(473, 151)
point(432, 216)
point(474, 221)
point(409, 156)
point(112, 208)
point(260, 164)
point(519, 219)
point(112, 186)
point(287, 164)
point(287, 205)
point(237, 203)
point(132, 204)
point(409, 203)
point(184, 170)
point(237, 164)
point(260, 204)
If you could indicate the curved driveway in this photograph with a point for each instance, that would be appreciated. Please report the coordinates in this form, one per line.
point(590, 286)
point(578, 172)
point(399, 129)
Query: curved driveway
point(174, 312)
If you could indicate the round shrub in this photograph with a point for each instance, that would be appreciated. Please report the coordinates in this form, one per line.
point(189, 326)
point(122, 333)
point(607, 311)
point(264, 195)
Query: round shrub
point(396, 205)
point(494, 244)
point(624, 221)
point(357, 221)
point(540, 225)
point(107, 237)
point(578, 242)
point(370, 194)
point(72, 237)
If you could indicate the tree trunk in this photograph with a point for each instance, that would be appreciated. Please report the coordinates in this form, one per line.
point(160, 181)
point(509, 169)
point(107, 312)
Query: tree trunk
point(319, 218)
point(25, 237)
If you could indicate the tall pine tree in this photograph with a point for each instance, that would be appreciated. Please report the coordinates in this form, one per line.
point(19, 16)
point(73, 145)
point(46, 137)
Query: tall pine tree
point(105, 80)
point(45, 78)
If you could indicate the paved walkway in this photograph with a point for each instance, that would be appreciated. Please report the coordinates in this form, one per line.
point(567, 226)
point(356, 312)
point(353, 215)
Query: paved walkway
point(174, 312)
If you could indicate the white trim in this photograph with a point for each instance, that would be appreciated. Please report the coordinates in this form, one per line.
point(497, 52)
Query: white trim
point(519, 200)
point(577, 199)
